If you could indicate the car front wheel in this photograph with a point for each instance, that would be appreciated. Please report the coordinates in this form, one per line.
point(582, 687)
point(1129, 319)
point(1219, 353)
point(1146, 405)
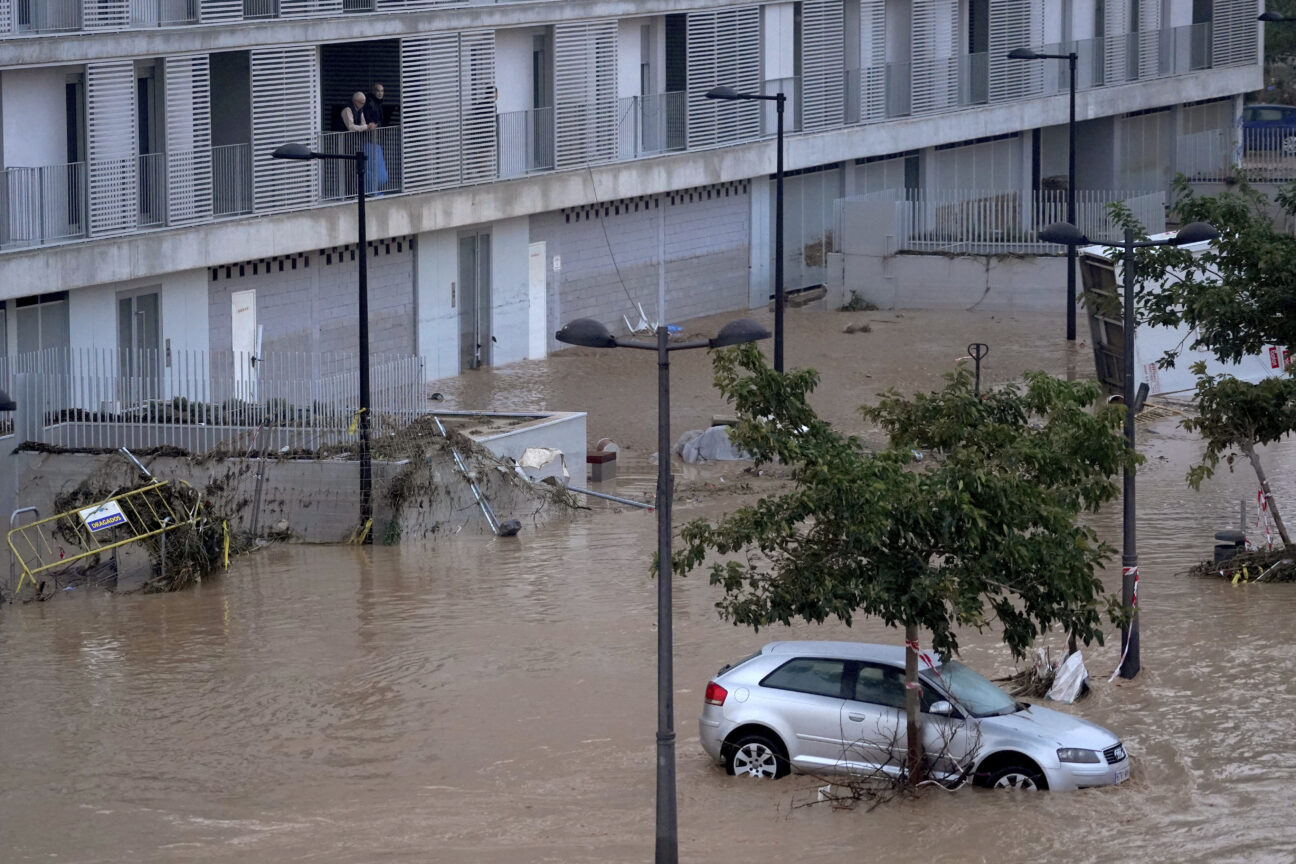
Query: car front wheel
point(1017, 777)
point(757, 756)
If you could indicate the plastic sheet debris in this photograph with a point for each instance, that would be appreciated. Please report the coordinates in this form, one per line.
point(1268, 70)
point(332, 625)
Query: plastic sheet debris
point(536, 458)
point(1070, 680)
point(703, 445)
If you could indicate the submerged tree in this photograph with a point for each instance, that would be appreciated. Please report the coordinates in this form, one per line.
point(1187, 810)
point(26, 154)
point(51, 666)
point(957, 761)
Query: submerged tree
point(986, 531)
point(1236, 299)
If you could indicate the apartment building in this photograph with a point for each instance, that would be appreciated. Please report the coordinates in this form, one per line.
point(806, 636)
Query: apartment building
point(540, 161)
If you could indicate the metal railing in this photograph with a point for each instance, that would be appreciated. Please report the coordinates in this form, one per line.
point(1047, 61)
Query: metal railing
point(999, 221)
point(526, 141)
point(163, 13)
point(231, 180)
point(974, 79)
point(42, 205)
point(1208, 155)
point(199, 400)
point(260, 8)
point(653, 123)
point(151, 177)
point(46, 16)
point(381, 146)
point(1269, 154)
point(791, 88)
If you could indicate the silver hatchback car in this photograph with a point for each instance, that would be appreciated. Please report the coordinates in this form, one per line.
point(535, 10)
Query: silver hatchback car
point(833, 707)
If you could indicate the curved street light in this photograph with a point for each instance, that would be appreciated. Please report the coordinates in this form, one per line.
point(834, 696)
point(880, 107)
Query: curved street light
point(1067, 234)
point(589, 333)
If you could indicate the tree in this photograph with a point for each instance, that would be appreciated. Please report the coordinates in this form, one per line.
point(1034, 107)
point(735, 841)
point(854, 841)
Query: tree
point(986, 531)
point(1235, 414)
point(1237, 299)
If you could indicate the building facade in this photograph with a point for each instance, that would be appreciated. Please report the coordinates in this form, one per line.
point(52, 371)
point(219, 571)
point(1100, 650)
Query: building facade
point(537, 161)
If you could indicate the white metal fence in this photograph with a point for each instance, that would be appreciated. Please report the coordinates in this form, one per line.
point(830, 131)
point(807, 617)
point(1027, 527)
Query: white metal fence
point(198, 400)
point(997, 222)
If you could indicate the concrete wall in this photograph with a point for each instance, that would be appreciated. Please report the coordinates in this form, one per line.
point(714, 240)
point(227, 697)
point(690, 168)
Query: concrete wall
point(991, 283)
point(308, 302)
point(609, 256)
point(183, 311)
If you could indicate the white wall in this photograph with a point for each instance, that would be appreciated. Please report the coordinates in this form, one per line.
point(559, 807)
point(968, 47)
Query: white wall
point(628, 55)
point(510, 290)
point(436, 268)
point(513, 67)
point(35, 128)
point(92, 312)
point(777, 39)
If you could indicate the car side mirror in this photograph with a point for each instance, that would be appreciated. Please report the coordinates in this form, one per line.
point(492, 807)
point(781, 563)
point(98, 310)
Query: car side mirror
point(942, 708)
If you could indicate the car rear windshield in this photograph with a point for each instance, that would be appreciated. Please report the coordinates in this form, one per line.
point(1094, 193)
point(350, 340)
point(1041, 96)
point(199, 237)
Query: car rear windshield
point(725, 668)
point(974, 692)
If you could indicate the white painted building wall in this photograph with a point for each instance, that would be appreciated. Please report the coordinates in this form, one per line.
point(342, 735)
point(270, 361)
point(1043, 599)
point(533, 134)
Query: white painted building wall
point(437, 326)
point(34, 118)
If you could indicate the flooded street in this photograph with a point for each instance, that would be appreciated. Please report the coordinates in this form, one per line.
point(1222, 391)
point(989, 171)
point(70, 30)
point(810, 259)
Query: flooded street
point(493, 700)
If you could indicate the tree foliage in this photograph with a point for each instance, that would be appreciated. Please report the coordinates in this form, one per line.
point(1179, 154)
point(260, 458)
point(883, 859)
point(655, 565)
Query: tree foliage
point(986, 531)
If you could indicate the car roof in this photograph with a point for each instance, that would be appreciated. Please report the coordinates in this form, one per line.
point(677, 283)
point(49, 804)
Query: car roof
point(1268, 105)
point(891, 654)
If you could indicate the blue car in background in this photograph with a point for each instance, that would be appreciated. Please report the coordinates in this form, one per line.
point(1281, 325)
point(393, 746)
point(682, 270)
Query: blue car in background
point(1269, 127)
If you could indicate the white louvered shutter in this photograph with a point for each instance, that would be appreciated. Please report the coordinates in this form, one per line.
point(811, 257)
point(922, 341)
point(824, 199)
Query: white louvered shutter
point(723, 49)
point(113, 149)
point(1235, 32)
point(103, 14)
point(823, 64)
point(1013, 24)
point(935, 73)
point(188, 138)
point(425, 106)
point(873, 71)
point(213, 11)
point(1149, 39)
point(477, 106)
point(1115, 16)
point(411, 6)
point(585, 105)
point(6, 17)
point(285, 110)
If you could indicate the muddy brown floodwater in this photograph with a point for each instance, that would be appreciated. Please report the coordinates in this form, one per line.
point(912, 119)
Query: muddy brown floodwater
point(481, 700)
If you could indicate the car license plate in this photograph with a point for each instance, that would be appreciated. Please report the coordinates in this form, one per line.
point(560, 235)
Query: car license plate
point(1122, 774)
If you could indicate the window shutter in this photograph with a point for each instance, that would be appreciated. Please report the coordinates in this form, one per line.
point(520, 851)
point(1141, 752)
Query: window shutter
point(823, 64)
point(413, 5)
point(285, 110)
point(1013, 24)
point(1115, 16)
point(110, 137)
point(477, 106)
point(1235, 32)
point(213, 11)
point(873, 72)
point(935, 73)
point(188, 138)
point(429, 99)
point(724, 48)
point(104, 15)
point(6, 17)
point(585, 106)
point(1149, 39)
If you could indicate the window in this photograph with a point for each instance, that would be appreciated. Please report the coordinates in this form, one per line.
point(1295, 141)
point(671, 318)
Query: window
point(818, 675)
point(880, 685)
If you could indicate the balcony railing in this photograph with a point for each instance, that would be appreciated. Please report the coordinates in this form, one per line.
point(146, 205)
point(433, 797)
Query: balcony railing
point(974, 79)
point(42, 205)
point(791, 88)
point(382, 149)
point(231, 180)
point(260, 9)
point(526, 141)
point(163, 13)
point(151, 176)
point(47, 16)
point(653, 123)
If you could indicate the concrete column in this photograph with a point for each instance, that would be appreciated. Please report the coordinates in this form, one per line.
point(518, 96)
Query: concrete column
point(761, 245)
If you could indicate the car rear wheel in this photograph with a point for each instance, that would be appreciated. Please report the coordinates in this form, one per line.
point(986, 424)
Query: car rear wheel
point(1017, 777)
point(1289, 145)
point(757, 756)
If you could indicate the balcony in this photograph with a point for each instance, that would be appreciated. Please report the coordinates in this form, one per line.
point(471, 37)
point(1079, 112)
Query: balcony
point(652, 124)
point(526, 142)
point(163, 13)
point(42, 205)
point(231, 180)
point(47, 16)
point(382, 149)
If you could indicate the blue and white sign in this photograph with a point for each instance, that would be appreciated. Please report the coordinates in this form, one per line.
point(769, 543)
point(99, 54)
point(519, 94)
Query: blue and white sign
point(105, 515)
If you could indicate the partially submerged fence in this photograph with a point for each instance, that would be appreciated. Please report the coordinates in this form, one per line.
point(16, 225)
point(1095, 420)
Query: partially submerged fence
point(989, 222)
point(201, 400)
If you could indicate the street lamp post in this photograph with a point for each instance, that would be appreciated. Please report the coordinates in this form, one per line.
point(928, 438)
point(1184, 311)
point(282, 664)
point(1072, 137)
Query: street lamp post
point(780, 100)
point(590, 333)
point(1272, 17)
point(303, 153)
point(1067, 234)
point(1028, 54)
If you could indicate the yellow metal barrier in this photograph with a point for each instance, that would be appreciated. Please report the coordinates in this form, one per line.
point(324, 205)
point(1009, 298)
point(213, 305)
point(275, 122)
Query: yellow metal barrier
point(116, 521)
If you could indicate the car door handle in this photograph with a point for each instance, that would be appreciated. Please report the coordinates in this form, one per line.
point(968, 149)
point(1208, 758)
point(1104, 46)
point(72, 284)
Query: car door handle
point(858, 718)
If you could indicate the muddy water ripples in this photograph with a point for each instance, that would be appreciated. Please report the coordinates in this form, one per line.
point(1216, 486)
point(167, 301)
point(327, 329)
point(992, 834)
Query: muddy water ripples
point(482, 700)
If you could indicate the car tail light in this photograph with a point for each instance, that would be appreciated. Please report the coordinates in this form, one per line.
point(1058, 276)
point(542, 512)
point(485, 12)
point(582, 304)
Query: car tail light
point(715, 694)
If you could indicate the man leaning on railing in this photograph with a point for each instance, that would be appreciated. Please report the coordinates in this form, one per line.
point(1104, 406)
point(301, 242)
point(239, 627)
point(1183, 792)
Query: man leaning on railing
point(356, 119)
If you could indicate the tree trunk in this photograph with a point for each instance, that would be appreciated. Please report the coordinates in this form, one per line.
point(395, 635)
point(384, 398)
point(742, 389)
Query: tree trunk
point(1249, 449)
point(913, 708)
